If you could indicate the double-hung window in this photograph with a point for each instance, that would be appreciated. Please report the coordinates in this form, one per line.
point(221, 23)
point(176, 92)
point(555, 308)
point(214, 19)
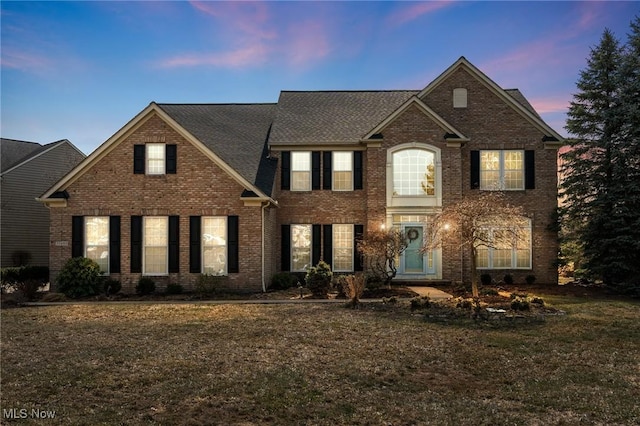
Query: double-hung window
point(342, 171)
point(343, 241)
point(508, 248)
point(300, 247)
point(502, 170)
point(96, 232)
point(214, 245)
point(155, 245)
point(155, 158)
point(301, 171)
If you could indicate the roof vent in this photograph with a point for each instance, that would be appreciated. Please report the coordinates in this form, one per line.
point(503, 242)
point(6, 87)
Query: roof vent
point(460, 97)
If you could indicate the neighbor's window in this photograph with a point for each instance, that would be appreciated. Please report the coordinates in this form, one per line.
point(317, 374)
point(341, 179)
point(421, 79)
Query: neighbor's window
point(343, 248)
point(414, 173)
point(97, 240)
point(300, 247)
point(301, 171)
point(214, 245)
point(502, 170)
point(511, 249)
point(156, 158)
point(342, 171)
point(155, 241)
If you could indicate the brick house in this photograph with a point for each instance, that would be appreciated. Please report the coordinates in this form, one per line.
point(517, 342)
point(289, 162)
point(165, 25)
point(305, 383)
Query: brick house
point(247, 190)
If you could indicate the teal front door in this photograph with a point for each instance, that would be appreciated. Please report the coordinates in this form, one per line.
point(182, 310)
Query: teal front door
point(414, 259)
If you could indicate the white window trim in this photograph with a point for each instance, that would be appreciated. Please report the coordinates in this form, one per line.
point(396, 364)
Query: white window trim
point(147, 158)
point(107, 271)
point(333, 247)
point(226, 246)
point(501, 170)
point(514, 253)
point(410, 201)
point(144, 249)
point(333, 170)
point(310, 171)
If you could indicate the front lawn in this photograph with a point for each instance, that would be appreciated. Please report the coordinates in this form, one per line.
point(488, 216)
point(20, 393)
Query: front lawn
point(319, 364)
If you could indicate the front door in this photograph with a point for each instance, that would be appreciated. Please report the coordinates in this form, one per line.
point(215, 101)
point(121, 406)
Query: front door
point(414, 259)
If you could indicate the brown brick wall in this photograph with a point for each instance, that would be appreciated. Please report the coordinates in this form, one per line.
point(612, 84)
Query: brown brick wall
point(199, 188)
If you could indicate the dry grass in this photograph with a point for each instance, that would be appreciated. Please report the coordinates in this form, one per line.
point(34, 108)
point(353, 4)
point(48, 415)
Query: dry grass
point(320, 364)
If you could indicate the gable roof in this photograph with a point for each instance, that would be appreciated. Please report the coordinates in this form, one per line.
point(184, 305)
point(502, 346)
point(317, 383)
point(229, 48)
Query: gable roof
point(512, 97)
point(15, 153)
point(332, 117)
point(450, 131)
point(237, 133)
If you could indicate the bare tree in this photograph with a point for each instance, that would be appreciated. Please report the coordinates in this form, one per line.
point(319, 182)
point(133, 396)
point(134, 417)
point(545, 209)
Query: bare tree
point(380, 249)
point(471, 224)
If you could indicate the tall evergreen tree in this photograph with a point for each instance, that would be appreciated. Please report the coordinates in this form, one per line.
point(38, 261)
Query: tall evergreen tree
point(600, 169)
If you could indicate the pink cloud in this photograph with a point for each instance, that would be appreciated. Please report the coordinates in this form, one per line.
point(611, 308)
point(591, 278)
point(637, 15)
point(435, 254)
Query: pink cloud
point(549, 105)
point(24, 61)
point(306, 42)
point(415, 10)
point(240, 58)
point(250, 18)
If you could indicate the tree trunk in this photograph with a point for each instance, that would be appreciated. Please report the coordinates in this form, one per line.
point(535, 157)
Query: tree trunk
point(474, 273)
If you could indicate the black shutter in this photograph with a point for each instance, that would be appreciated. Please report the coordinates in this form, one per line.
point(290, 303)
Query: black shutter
point(285, 169)
point(136, 244)
point(195, 256)
point(357, 170)
point(114, 244)
point(77, 236)
point(327, 252)
point(529, 170)
point(285, 248)
point(316, 244)
point(174, 244)
point(475, 169)
point(138, 159)
point(315, 170)
point(358, 230)
point(233, 244)
point(327, 169)
point(171, 164)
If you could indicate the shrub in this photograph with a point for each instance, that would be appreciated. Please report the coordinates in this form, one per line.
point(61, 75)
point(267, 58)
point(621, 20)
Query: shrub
point(530, 279)
point(111, 286)
point(353, 287)
point(27, 280)
point(420, 303)
point(490, 292)
point(374, 281)
point(508, 279)
point(174, 288)
point(520, 303)
point(537, 301)
point(485, 279)
point(79, 277)
point(207, 284)
point(283, 281)
point(318, 279)
point(145, 286)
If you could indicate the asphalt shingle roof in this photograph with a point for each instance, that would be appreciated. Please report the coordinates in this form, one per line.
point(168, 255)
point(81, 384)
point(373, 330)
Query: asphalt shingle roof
point(13, 152)
point(237, 133)
point(335, 117)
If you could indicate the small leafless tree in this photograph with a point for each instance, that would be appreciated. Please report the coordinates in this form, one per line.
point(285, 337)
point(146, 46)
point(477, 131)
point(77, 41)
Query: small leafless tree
point(466, 224)
point(380, 249)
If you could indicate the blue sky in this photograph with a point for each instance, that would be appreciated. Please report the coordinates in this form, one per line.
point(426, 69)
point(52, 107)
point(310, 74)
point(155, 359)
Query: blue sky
point(82, 70)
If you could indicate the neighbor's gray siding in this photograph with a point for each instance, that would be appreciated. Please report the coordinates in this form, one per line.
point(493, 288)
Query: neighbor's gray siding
point(25, 221)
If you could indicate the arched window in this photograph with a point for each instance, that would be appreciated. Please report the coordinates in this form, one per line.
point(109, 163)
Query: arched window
point(414, 173)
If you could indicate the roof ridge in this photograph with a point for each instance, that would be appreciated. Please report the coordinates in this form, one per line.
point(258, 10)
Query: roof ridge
point(215, 104)
point(352, 91)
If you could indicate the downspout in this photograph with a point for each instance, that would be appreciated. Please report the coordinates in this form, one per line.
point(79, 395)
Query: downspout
point(264, 281)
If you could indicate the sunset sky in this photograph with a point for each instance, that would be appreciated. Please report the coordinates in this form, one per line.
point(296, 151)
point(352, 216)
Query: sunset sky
point(82, 70)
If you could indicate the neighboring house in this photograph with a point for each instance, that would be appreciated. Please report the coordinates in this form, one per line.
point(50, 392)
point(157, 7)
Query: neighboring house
point(249, 190)
point(28, 169)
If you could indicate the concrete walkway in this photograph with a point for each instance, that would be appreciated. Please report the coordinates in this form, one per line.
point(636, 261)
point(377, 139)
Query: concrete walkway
point(432, 292)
